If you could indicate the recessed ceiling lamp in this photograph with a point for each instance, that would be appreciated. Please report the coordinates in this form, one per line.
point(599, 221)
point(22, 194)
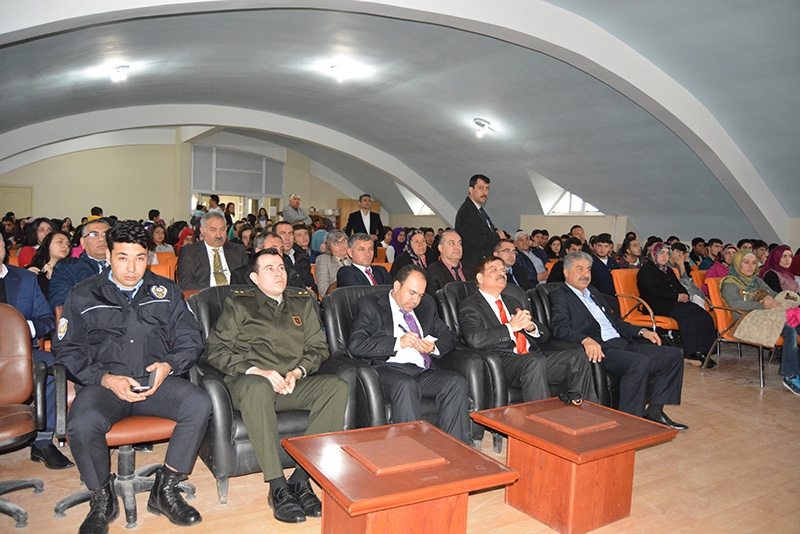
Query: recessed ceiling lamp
point(483, 127)
point(119, 73)
point(344, 69)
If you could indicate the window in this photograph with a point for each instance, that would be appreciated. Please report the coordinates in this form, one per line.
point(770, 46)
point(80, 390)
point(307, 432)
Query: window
point(570, 204)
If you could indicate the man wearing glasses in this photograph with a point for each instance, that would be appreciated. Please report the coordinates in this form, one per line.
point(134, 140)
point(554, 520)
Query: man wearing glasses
point(515, 273)
point(70, 271)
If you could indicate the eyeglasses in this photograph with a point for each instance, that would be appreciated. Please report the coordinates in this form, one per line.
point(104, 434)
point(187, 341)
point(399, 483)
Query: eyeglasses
point(94, 235)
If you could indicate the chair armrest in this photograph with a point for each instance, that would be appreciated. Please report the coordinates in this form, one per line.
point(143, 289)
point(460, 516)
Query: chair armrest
point(370, 399)
point(600, 378)
point(495, 380)
point(343, 367)
point(59, 373)
point(643, 303)
point(469, 365)
point(39, 382)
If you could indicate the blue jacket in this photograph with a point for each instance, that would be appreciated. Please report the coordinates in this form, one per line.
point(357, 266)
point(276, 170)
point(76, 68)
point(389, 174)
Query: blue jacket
point(68, 273)
point(23, 293)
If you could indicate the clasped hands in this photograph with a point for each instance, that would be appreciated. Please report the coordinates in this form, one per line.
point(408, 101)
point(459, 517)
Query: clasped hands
point(521, 321)
point(281, 384)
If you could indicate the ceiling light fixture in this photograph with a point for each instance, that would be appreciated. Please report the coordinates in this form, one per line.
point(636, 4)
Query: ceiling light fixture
point(119, 73)
point(344, 69)
point(483, 127)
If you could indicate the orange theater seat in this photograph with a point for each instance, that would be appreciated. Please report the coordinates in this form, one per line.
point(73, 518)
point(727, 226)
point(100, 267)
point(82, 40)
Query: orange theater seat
point(632, 307)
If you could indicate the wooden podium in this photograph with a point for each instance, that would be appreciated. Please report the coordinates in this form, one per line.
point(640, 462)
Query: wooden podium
point(408, 478)
point(575, 462)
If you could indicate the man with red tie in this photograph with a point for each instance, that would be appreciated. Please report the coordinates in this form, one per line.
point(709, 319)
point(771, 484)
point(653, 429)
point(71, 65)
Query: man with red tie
point(497, 321)
point(361, 272)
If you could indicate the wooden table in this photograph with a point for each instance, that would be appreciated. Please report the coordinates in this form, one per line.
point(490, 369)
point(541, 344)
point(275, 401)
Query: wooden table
point(410, 477)
point(575, 462)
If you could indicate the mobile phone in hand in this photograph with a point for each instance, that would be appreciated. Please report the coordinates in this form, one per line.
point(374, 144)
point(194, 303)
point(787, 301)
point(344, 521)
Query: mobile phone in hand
point(142, 389)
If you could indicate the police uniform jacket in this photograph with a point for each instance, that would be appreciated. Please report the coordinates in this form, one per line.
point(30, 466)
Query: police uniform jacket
point(100, 332)
point(255, 331)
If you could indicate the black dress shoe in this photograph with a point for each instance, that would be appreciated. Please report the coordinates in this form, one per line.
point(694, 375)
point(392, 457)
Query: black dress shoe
point(698, 358)
point(103, 510)
point(309, 502)
point(51, 456)
point(165, 499)
point(666, 421)
point(284, 506)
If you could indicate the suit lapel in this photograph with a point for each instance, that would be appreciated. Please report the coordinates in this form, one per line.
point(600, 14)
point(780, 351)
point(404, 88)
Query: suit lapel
point(12, 289)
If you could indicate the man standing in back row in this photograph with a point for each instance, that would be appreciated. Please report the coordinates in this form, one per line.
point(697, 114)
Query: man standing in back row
point(474, 226)
point(365, 221)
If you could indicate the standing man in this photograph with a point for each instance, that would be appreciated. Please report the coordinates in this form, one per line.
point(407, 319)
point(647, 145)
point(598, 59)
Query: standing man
point(365, 221)
point(579, 316)
point(449, 268)
point(70, 271)
point(266, 343)
point(209, 262)
point(361, 272)
point(494, 321)
point(213, 205)
point(474, 225)
point(402, 336)
point(117, 330)
point(294, 213)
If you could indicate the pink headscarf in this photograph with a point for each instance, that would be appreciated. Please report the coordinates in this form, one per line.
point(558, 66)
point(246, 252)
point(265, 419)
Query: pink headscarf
point(773, 263)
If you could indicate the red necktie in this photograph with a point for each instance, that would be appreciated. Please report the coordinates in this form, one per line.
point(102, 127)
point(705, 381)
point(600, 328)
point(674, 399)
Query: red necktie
point(522, 343)
point(371, 278)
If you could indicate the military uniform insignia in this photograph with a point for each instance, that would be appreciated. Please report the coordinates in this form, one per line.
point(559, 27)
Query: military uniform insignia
point(297, 320)
point(62, 328)
point(159, 292)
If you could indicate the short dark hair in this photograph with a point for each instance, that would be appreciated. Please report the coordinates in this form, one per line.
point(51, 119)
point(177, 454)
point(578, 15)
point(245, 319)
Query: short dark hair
point(743, 241)
point(97, 211)
point(672, 239)
point(258, 242)
point(152, 214)
point(677, 245)
point(714, 241)
point(475, 177)
point(573, 228)
point(128, 231)
point(299, 226)
point(500, 243)
point(484, 262)
point(362, 195)
point(215, 198)
point(759, 243)
point(537, 232)
point(571, 241)
point(405, 272)
point(697, 240)
point(275, 226)
point(254, 260)
point(604, 238)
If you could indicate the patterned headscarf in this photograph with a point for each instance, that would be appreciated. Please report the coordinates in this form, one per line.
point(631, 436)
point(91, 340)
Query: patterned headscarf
point(721, 255)
point(419, 261)
point(735, 276)
point(652, 254)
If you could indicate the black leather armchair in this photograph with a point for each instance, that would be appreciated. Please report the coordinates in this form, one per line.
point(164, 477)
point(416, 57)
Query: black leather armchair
point(372, 407)
point(226, 448)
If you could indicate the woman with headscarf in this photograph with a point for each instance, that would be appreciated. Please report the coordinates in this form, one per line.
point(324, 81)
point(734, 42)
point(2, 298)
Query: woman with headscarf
point(414, 252)
point(662, 291)
point(186, 237)
point(335, 258)
point(721, 265)
point(396, 245)
point(777, 272)
point(743, 290)
point(318, 244)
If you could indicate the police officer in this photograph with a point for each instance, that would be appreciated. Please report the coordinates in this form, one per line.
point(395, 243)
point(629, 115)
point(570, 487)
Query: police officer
point(118, 328)
point(266, 342)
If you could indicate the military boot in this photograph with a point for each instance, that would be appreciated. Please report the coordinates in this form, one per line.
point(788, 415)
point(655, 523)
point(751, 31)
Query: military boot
point(165, 499)
point(103, 509)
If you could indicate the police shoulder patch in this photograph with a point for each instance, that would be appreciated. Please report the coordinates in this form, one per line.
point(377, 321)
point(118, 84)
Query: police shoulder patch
point(62, 328)
point(159, 292)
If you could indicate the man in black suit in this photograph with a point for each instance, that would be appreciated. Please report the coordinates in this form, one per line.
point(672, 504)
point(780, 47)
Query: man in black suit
point(474, 225)
point(449, 268)
point(515, 273)
point(497, 321)
point(401, 334)
point(263, 241)
point(365, 221)
point(361, 272)
point(579, 316)
point(210, 262)
point(535, 269)
point(297, 257)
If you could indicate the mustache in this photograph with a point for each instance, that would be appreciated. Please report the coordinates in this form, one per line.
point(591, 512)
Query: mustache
point(585, 278)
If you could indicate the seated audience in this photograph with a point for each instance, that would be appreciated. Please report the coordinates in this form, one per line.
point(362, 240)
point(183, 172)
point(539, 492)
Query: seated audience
point(776, 271)
point(795, 266)
point(557, 271)
point(8, 230)
point(743, 290)
point(761, 250)
point(302, 238)
point(496, 322)
point(578, 233)
point(661, 290)
point(35, 233)
point(677, 260)
point(244, 237)
point(507, 252)
point(449, 268)
point(361, 272)
point(210, 262)
point(158, 235)
point(335, 258)
point(401, 335)
point(698, 253)
point(396, 244)
point(578, 316)
point(713, 248)
point(745, 244)
point(68, 272)
point(601, 270)
point(553, 248)
point(53, 249)
point(415, 252)
point(186, 237)
point(535, 270)
point(721, 266)
point(264, 241)
point(298, 258)
point(630, 255)
point(538, 240)
point(318, 244)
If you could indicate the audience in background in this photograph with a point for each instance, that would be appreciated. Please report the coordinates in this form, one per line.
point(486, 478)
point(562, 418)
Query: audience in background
point(630, 254)
point(534, 268)
point(698, 253)
point(414, 253)
point(54, 248)
point(553, 248)
point(713, 248)
point(571, 244)
point(318, 246)
point(515, 273)
point(720, 267)
point(776, 270)
point(69, 272)
point(361, 272)
point(35, 233)
point(760, 249)
point(538, 240)
point(745, 244)
point(677, 261)
point(157, 236)
point(396, 244)
point(449, 267)
point(335, 257)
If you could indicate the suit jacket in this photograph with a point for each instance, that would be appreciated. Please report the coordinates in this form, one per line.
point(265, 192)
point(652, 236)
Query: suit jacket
point(241, 276)
point(372, 334)
point(302, 265)
point(572, 321)
point(439, 275)
point(530, 269)
point(23, 293)
point(521, 276)
point(556, 272)
point(601, 274)
point(482, 330)
point(478, 237)
point(68, 273)
point(194, 266)
point(355, 225)
point(352, 276)
point(325, 272)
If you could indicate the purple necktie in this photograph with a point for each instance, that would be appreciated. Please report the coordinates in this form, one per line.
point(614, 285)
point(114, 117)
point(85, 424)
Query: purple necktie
point(412, 326)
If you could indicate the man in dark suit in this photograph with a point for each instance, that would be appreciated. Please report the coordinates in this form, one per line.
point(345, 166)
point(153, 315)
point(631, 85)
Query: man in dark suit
point(297, 257)
point(361, 272)
point(474, 225)
point(515, 273)
point(70, 271)
point(365, 221)
point(535, 269)
point(210, 262)
point(579, 316)
point(449, 268)
point(263, 241)
point(497, 321)
point(20, 290)
point(402, 335)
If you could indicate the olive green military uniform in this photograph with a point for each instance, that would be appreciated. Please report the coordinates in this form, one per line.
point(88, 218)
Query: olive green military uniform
point(255, 331)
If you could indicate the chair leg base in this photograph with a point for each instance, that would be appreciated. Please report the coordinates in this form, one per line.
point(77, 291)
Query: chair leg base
point(222, 490)
point(15, 511)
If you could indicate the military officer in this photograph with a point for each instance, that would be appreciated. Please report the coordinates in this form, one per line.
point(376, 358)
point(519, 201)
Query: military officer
point(266, 342)
point(117, 329)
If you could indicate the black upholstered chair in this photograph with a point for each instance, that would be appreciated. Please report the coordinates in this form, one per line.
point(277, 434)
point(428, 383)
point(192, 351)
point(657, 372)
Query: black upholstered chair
point(372, 407)
point(226, 449)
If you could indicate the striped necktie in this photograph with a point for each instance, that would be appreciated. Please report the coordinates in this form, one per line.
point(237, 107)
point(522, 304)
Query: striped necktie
point(219, 274)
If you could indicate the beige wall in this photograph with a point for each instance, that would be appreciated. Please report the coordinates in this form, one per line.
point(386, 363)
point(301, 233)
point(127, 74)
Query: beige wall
point(592, 224)
point(125, 181)
point(313, 191)
point(415, 221)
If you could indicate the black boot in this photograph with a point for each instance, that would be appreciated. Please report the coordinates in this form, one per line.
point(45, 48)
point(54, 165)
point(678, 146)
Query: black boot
point(165, 499)
point(103, 509)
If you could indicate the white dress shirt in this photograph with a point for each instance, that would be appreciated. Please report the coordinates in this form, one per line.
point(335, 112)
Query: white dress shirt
point(408, 354)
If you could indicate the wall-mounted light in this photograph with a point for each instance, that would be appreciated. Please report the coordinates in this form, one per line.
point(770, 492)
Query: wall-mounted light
point(483, 127)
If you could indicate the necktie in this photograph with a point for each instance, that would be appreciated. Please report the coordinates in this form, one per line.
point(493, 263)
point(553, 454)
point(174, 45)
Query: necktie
point(128, 294)
point(219, 274)
point(522, 343)
point(487, 219)
point(510, 273)
point(371, 278)
point(412, 327)
point(456, 275)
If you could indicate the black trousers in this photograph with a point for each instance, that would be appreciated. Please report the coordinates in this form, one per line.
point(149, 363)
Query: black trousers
point(406, 384)
point(96, 408)
point(536, 372)
point(696, 327)
point(634, 363)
